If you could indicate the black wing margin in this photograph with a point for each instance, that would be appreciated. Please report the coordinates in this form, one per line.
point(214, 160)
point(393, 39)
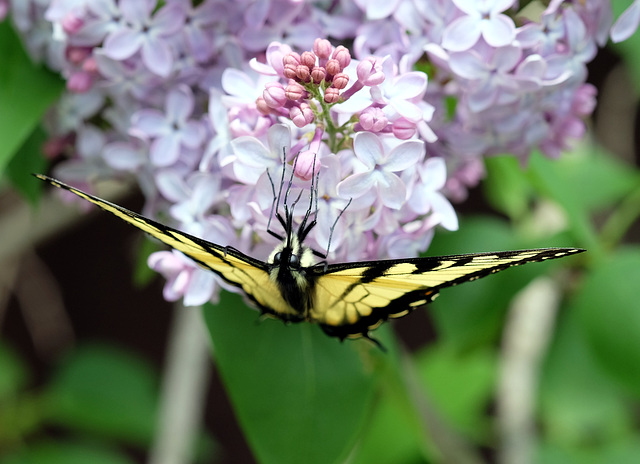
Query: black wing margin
point(358, 297)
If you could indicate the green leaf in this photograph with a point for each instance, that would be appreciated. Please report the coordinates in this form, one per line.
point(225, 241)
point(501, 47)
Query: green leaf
point(579, 403)
point(28, 159)
point(14, 373)
point(26, 91)
point(60, 452)
point(594, 178)
point(621, 451)
point(297, 393)
point(393, 432)
point(556, 181)
point(506, 186)
point(609, 313)
point(473, 312)
point(460, 384)
point(106, 391)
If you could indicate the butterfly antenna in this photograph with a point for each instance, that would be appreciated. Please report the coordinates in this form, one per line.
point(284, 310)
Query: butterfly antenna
point(276, 199)
point(313, 194)
point(290, 184)
point(273, 205)
point(334, 225)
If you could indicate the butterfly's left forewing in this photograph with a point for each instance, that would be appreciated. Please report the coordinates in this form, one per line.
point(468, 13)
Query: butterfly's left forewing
point(233, 266)
point(357, 297)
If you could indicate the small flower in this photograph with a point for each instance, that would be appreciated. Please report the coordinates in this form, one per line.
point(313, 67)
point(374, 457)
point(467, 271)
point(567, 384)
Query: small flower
point(426, 196)
point(169, 131)
point(379, 170)
point(482, 18)
point(147, 33)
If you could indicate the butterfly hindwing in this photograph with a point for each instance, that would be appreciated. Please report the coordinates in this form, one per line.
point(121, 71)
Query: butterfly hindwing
point(233, 266)
point(360, 296)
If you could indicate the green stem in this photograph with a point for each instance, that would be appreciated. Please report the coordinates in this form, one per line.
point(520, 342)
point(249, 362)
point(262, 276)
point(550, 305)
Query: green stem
point(621, 219)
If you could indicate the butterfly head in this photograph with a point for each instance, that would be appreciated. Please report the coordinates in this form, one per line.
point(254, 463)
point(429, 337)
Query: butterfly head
point(288, 268)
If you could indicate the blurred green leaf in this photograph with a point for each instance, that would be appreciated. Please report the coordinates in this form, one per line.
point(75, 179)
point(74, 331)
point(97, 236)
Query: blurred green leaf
point(393, 433)
point(66, 453)
point(506, 186)
point(473, 312)
point(582, 182)
point(107, 391)
point(298, 393)
point(14, 373)
point(610, 315)
point(26, 91)
point(28, 159)
point(460, 384)
point(593, 177)
point(580, 405)
point(620, 451)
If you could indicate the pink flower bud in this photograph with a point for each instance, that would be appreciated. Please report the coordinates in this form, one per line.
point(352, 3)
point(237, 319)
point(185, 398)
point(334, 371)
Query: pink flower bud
point(289, 71)
point(90, 65)
point(262, 106)
point(71, 23)
point(76, 55)
point(373, 119)
point(301, 115)
point(370, 72)
point(4, 9)
point(340, 81)
point(333, 67)
point(274, 95)
point(318, 74)
point(331, 95)
point(54, 146)
point(322, 48)
point(403, 129)
point(294, 91)
point(79, 82)
point(342, 55)
point(306, 165)
point(291, 58)
point(308, 59)
point(302, 73)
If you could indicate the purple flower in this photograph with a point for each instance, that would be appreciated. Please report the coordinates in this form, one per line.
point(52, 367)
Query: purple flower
point(379, 169)
point(482, 18)
point(149, 34)
point(490, 76)
point(627, 23)
point(170, 130)
point(426, 196)
point(253, 158)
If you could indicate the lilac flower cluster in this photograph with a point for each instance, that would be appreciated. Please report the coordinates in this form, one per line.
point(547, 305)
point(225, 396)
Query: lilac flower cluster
point(163, 91)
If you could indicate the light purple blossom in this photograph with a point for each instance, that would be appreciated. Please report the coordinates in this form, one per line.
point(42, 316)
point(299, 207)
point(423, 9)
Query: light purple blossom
point(482, 18)
point(140, 30)
point(170, 130)
point(379, 168)
point(200, 104)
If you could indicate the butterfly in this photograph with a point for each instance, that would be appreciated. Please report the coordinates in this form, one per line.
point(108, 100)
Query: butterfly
point(347, 300)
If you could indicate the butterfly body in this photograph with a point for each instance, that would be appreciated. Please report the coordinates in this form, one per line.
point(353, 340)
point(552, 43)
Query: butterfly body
point(346, 300)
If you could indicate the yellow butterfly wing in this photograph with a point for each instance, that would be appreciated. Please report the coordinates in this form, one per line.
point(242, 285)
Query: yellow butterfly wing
point(352, 298)
point(233, 266)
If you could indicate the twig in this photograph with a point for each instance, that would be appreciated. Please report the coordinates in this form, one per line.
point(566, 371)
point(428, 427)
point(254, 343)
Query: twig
point(526, 336)
point(184, 386)
point(452, 447)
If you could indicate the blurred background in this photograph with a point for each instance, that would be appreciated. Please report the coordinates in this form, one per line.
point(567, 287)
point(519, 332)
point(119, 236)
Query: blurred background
point(85, 352)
